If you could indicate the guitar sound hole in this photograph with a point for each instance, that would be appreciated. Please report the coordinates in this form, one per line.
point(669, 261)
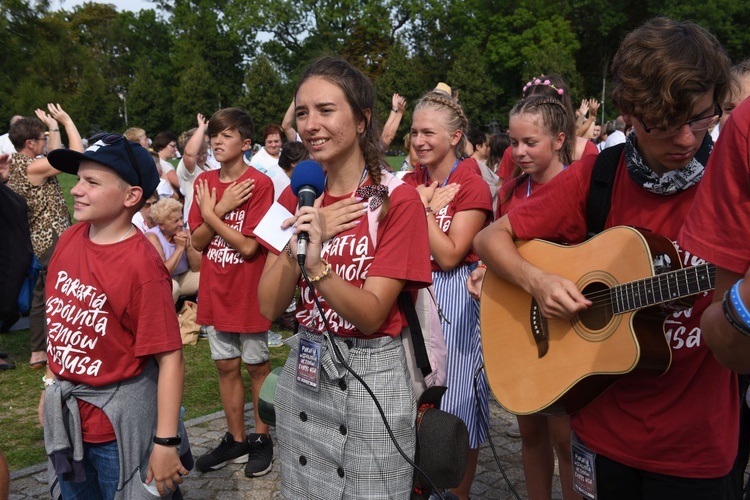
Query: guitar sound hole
point(599, 314)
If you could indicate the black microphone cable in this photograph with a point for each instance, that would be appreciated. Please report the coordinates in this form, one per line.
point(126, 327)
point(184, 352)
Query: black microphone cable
point(340, 357)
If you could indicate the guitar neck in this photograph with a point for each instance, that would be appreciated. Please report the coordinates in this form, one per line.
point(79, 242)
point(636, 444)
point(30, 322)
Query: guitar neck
point(662, 288)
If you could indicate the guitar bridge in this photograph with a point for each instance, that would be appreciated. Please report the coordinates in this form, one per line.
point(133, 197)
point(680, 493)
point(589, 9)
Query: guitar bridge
point(539, 330)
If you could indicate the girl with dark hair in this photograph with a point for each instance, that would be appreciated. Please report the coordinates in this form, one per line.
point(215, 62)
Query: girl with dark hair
point(333, 442)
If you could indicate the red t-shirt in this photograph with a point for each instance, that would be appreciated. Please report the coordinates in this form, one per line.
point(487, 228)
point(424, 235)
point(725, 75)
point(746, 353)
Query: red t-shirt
point(228, 288)
point(508, 163)
point(681, 423)
point(106, 316)
point(520, 188)
point(717, 225)
point(402, 252)
point(474, 194)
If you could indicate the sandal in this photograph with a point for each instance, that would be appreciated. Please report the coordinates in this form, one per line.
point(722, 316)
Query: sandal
point(7, 364)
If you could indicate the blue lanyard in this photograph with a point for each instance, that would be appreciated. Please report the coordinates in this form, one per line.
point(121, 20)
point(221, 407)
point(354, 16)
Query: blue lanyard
point(528, 185)
point(427, 175)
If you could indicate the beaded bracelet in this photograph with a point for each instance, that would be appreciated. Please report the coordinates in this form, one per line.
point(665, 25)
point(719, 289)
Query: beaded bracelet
point(739, 306)
point(47, 382)
point(326, 272)
point(731, 315)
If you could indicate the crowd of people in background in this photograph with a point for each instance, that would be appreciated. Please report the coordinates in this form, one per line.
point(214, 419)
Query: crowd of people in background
point(467, 197)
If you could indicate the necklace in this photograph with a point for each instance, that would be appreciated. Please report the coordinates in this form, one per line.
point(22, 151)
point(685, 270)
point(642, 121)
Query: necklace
point(126, 234)
point(361, 180)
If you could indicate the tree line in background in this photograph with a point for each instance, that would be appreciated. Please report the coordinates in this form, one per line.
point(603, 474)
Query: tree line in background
point(160, 67)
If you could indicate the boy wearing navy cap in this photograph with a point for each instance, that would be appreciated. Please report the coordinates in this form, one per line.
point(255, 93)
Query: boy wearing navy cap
point(114, 353)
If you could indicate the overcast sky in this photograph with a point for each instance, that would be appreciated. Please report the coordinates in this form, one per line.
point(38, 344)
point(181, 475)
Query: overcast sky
point(131, 5)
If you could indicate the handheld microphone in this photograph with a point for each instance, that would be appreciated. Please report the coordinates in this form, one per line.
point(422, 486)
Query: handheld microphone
point(308, 183)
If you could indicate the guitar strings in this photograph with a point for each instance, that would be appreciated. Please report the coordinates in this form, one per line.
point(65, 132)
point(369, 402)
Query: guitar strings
point(605, 297)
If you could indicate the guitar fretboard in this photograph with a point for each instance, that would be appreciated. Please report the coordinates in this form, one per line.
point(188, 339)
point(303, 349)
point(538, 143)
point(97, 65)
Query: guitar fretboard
point(662, 288)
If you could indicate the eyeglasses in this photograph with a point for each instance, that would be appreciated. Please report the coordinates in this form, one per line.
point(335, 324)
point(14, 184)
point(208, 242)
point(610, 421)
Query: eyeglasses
point(45, 138)
point(107, 138)
point(695, 125)
point(172, 145)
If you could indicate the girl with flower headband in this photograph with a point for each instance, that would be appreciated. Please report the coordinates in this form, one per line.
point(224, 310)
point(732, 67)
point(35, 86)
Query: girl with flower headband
point(551, 86)
point(458, 204)
point(538, 129)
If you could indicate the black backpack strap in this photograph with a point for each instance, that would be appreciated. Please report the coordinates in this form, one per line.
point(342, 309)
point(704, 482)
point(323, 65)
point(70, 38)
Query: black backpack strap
point(600, 189)
point(406, 303)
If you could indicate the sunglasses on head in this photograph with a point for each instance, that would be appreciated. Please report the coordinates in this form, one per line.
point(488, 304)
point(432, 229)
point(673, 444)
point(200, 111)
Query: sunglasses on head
point(108, 138)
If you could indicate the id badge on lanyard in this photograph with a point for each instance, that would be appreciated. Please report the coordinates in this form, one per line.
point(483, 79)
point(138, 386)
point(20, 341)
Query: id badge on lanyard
point(584, 468)
point(308, 364)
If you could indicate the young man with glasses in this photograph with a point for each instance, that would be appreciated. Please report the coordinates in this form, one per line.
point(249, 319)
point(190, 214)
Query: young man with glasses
point(673, 436)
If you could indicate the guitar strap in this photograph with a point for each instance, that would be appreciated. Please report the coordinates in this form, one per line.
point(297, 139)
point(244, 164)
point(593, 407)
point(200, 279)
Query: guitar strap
point(600, 189)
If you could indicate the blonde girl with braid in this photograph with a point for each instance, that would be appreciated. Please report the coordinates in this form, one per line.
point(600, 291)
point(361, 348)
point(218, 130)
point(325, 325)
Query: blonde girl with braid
point(458, 204)
point(333, 442)
point(538, 129)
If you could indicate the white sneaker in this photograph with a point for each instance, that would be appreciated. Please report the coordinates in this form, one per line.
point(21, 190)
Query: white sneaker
point(274, 339)
point(513, 430)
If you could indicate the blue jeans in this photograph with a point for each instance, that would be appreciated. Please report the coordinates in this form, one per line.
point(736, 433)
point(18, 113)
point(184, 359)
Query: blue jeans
point(102, 465)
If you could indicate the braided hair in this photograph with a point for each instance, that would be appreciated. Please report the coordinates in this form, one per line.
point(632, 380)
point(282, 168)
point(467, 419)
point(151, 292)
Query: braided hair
point(554, 120)
point(554, 86)
point(454, 117)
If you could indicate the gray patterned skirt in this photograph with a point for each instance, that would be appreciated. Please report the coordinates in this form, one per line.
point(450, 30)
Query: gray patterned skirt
point(333, 443)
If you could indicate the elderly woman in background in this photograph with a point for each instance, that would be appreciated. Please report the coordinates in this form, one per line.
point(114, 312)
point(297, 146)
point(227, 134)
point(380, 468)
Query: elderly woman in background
point(173, 244)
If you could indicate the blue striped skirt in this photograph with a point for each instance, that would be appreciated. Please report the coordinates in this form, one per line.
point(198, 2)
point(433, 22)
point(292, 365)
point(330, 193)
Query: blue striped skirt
point(333, 443)
point(465, 360)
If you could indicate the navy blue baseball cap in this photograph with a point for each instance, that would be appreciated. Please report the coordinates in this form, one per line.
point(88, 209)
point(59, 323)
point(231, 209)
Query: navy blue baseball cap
point(130, 160)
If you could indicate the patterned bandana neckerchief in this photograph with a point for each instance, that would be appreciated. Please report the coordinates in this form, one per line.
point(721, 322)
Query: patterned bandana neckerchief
point(373, 192)
point(673, 181)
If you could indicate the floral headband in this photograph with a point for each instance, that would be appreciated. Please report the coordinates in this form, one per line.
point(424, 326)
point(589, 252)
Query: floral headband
point(537, 81)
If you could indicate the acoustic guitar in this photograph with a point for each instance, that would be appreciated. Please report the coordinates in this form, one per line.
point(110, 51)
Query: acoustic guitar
point(557, 366)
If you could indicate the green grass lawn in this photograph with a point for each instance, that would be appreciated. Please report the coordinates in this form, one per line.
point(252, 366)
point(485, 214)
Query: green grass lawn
point(395, 162)
point(21, 437)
